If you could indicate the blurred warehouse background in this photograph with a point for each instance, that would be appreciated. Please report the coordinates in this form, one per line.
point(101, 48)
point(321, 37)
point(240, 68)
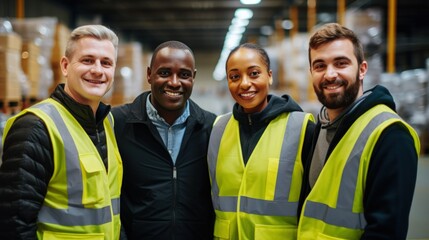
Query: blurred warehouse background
point(395, 34)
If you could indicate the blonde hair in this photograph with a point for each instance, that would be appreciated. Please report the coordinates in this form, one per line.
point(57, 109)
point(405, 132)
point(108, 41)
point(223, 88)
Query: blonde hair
point(99, 32)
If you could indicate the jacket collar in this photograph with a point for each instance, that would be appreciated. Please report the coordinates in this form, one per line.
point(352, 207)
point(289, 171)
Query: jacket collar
point(138, 110)
point(83, 113)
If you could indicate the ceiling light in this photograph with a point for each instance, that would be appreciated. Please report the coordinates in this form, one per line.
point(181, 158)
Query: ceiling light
point(233, 29)
point(240, 22)
point(249, 2)
point(243, 13)
point(266, 30)
point(287, 24)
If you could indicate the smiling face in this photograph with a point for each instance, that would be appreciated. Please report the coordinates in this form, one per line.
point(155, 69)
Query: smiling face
point(249, 79)
point(171, 78)
point(89, 70)
point(337, 76)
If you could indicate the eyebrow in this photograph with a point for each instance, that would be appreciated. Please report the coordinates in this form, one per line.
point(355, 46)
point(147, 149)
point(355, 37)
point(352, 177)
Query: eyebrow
point(335, 59)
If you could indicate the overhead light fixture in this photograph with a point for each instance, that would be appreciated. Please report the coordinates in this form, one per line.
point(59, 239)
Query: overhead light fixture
point(266, 30)
point(240, 22)
point(234, 29)
point(243, 13)
point(233, 37)
point(287, 24)
point(250, 2)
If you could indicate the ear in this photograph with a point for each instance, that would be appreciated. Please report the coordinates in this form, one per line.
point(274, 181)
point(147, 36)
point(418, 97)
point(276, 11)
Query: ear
point(363, 68)
point(148, 72)
point(195, 72)
point(64, 64)
point(270, 75)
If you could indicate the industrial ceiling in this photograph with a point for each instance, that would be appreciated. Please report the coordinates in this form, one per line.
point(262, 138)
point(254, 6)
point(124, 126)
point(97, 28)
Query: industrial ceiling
point(203, 24)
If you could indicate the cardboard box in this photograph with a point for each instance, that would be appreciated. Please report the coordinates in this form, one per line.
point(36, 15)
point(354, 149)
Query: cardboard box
point(10, 60)
point(62, 33)
point(10, 41)
point(10, 88)
point(31, 67)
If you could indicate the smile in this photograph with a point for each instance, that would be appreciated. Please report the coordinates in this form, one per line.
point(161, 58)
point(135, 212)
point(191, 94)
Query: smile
point(172, 93)
point(94, 81)
point(248, 94)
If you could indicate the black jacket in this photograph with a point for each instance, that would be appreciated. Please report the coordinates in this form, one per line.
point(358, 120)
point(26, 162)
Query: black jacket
point(253, 125)
point(28, 165)
point(391, 174)
point(154, 204)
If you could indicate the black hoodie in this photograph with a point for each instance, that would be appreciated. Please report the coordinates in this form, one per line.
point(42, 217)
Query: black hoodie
point(253, 125)
point(391, 174)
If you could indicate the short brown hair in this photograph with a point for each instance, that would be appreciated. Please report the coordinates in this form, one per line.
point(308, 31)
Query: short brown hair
point(333, 31)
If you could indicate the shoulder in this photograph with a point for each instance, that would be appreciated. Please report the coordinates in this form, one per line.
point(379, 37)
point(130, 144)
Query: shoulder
point(28, 140)
point(28, 123)
point(201, 114)
point(27, 129)
point(121, 111)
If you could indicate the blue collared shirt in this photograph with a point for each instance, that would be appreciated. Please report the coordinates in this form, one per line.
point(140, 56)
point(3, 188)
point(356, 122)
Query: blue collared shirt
point(171, 135)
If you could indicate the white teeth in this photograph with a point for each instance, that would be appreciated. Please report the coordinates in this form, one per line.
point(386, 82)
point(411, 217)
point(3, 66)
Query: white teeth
point(332, 87)
point(246, 94)
point(94, 81)
point(172, 93)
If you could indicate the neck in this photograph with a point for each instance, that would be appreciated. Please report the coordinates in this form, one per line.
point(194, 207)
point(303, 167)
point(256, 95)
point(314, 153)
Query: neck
point(334, 113)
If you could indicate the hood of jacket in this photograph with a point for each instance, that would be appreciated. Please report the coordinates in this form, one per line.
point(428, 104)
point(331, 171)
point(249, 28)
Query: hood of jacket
point(276, 106)
point(254, 124)
point(371, 97)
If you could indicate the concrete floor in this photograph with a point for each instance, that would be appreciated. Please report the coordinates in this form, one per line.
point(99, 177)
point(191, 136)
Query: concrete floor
point(419, 216)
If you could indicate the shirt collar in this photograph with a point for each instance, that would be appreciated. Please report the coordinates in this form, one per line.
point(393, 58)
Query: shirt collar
point(154, 116)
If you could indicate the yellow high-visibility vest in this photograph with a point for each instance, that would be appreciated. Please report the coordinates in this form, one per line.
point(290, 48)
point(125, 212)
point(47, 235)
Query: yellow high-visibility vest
point(82, 201)
point(334, 208)
point(259, 200)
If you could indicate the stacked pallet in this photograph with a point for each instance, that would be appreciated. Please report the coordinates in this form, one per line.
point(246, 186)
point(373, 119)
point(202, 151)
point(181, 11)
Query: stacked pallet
point(10, 87)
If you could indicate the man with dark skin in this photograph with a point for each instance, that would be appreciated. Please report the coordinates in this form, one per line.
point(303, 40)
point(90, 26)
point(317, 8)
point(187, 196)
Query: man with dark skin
point(163, 137)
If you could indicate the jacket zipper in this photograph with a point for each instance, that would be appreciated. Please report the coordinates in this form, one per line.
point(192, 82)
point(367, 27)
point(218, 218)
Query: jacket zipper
point(250, 119)
point(98, 135)
point(174, 198)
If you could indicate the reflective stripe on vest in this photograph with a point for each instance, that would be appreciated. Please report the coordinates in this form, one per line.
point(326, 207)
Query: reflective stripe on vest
point(346, 193)
point(73, 215)
point(279, 206)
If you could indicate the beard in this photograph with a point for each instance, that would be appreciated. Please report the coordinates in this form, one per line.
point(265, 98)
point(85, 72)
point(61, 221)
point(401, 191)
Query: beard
point(339, 100)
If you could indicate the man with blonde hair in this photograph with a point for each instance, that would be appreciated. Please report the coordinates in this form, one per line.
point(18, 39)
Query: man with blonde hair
point(62, 173)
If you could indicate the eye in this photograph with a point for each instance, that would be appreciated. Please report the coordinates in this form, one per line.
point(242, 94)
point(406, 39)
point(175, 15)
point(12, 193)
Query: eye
point(254, 74)
point(319, 66)
point(342, 64)
point(87, 61)
point(107, 63)
point(164, 73)
point(185, 74)
point(234, 77)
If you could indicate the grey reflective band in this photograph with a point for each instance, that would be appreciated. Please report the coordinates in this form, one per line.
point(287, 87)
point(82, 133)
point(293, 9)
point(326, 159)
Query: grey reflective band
point(227, 204)
point(280, 206)
point(110, 118)
point(343, 215)
point(264, 207)
point(116, 205)
point(76, 214)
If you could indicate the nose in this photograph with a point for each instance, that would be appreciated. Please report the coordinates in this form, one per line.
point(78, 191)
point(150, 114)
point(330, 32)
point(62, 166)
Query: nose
point(175, 81)
point(331, 73)
point(96, 68)
point(245, 82)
